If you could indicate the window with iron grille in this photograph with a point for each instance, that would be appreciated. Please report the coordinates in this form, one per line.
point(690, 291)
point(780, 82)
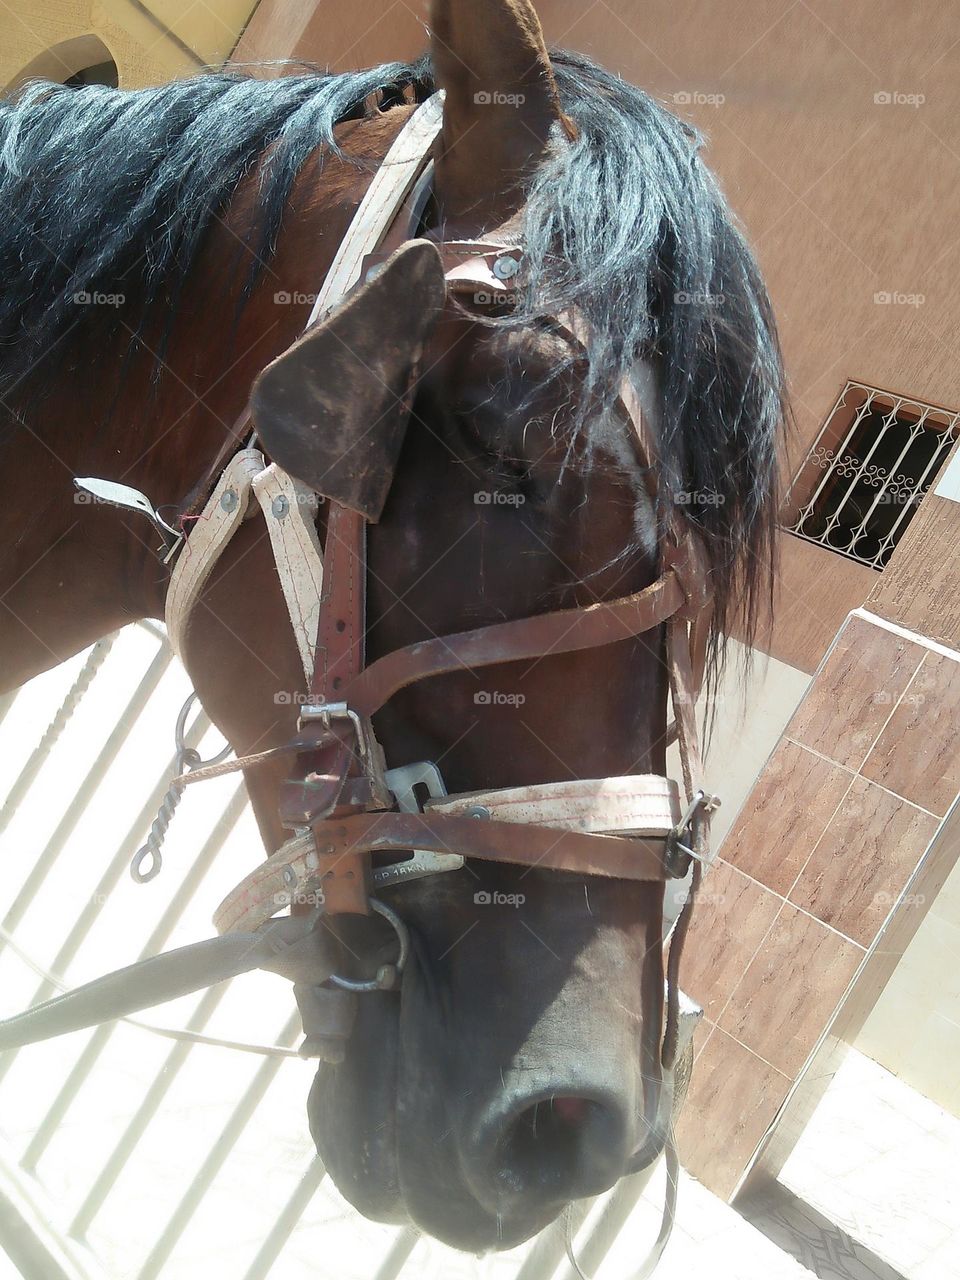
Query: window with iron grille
point(867, 472)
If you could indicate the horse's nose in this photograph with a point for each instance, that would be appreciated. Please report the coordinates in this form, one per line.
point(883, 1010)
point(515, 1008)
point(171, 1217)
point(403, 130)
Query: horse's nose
point(547, 1150)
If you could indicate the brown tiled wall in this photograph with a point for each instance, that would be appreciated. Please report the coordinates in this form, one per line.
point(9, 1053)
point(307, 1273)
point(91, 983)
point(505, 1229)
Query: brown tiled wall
point(830, 837)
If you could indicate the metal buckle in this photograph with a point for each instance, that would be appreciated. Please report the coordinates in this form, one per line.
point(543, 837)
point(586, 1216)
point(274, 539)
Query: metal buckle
point(327, 711)
point(684, 553)
point(680, 838)
point(423, 863)
point(368, 749)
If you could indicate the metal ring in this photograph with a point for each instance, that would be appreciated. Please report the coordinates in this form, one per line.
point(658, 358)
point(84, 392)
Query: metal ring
point(180, 734)
point(387, 973)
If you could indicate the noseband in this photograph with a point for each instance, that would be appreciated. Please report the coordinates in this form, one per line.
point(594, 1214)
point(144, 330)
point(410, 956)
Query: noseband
point(342, 803)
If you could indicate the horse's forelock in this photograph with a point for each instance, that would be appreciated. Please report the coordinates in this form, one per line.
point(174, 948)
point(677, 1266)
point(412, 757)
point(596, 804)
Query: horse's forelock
point(629, 227)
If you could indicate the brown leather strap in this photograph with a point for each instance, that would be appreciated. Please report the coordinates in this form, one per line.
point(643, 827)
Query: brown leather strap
point(325, 759)
point(621, 857)
point(563, 631)
point(339, 659)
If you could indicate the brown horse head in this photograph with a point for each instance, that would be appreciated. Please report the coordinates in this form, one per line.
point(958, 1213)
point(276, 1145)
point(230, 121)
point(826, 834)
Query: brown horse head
point(504, 1078)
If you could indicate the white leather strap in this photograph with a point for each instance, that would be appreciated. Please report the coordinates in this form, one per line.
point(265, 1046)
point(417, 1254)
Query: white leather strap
point(225, 511)
point(391, 185)
point(290, 510)
point(294, 539)
point(641, 805)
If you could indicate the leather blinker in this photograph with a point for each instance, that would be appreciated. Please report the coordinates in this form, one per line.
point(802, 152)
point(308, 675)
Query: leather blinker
point(333, 409)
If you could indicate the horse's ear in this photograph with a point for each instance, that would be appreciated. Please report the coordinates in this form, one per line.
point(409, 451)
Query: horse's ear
point(501, 105)
point(332, 410)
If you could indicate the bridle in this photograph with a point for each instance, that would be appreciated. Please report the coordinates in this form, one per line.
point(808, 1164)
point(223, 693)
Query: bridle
point(341, 802)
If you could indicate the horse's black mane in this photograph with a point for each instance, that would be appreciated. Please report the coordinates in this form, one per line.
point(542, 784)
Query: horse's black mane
point(104, 192)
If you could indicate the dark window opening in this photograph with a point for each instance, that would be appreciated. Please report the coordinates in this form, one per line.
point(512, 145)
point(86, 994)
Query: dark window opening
point(868, 471)
point(101, 73)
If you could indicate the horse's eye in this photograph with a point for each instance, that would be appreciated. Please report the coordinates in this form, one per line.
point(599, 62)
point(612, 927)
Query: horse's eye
point(480, 437)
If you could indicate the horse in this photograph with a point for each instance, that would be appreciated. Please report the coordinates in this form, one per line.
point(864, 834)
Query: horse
point(159, 249)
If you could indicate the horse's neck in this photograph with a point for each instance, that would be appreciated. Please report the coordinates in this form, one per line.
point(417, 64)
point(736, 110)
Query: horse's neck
point(71, 572)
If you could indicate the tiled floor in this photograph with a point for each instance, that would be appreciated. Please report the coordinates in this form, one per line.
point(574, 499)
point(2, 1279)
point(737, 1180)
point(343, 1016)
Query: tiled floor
point(872, 1192)
point(710, 1240)
point(883, 1163)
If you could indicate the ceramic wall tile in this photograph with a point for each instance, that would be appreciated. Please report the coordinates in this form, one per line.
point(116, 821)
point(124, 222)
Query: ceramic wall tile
point(863, 861)
point(918, 754)
point(785, 815)
point(741, 1094)
point(853, 695)
point(791, 989)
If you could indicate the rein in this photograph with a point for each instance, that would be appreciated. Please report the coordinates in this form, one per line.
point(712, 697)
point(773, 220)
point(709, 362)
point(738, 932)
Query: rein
point(342, 803)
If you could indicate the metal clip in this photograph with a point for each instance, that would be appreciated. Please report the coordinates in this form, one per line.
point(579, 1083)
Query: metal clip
point(680, 839)
point(122, 495)
point(402, 782)
point(369, 751)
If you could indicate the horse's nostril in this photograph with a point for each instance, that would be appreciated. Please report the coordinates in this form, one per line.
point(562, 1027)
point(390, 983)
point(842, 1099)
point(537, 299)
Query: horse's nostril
point(572, 1110)
point(565, 1147)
